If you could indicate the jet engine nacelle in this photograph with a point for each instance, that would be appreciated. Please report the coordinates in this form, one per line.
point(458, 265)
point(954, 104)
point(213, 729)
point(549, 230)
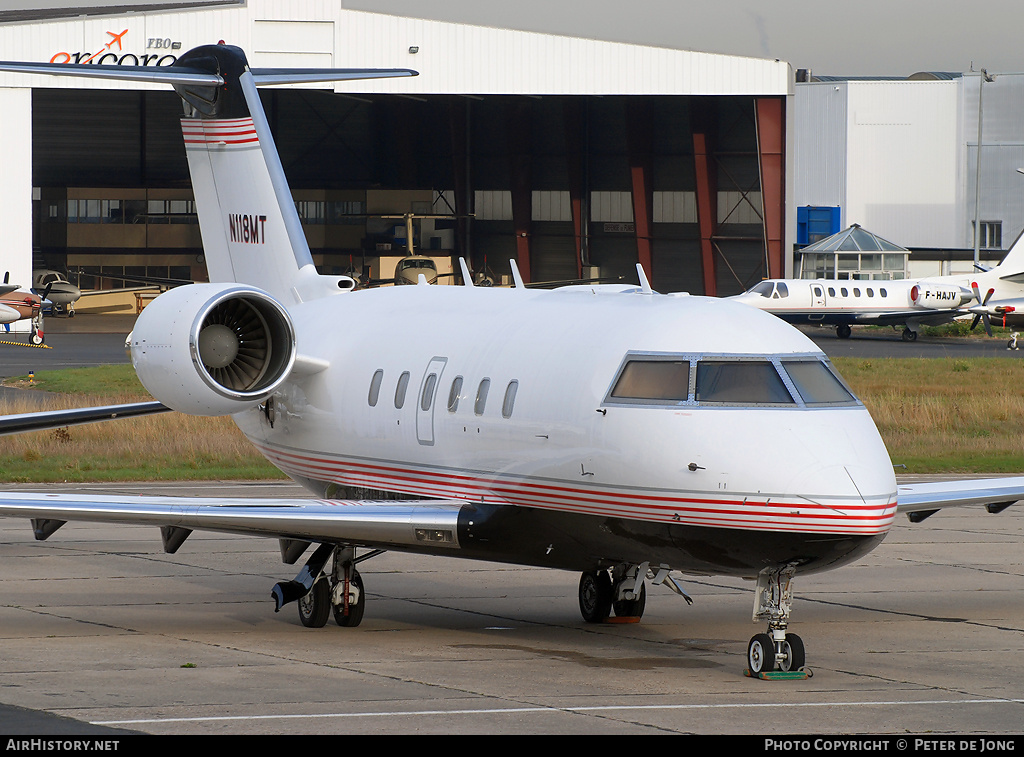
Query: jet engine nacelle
point(213, 349)
point(937, 297)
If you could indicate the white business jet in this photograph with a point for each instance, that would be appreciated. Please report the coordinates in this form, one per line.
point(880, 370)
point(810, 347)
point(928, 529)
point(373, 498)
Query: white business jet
point(600, 429)
point(996, 293)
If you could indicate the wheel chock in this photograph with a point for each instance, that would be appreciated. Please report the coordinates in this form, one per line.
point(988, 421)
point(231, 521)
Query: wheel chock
point(622, 619)
point(781, 675)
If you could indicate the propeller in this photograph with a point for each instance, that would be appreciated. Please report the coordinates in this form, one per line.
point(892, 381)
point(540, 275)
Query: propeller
point(983, 311)
point(980, 313)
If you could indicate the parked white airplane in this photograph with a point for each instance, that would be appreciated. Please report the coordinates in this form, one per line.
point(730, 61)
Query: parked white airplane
point(599, 429)
point(61, 293)
point(995, 293)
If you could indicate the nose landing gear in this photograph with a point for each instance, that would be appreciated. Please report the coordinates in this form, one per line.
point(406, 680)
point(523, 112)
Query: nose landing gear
point(775, 654)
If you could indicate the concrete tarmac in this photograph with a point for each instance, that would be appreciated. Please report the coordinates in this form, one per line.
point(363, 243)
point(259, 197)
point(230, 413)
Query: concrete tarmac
point(102, 633)
point(98, 625)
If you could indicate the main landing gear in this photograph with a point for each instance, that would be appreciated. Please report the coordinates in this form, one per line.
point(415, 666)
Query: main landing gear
point(775, 650)
point(319, 594)
point(622, 590)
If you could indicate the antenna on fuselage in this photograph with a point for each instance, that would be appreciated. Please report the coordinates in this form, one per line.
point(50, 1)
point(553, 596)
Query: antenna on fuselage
point(645, 285)
point(517, 278)
point(467, 277)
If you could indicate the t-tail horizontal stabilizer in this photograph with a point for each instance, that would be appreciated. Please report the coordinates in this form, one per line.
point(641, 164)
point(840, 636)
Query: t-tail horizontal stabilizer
point(251, 231)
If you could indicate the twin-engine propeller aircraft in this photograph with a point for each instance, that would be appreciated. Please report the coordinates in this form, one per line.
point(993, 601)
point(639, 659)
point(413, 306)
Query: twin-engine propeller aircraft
point(996, 293)
point(61, 293)
point(602, 429)
point(18, 304)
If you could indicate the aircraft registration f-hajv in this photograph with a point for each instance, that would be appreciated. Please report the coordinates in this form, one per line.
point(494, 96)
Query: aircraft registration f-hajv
point(996, 293)
point(602, 429)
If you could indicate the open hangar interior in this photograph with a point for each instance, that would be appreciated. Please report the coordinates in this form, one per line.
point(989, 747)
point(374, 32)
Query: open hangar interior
point(571, 177)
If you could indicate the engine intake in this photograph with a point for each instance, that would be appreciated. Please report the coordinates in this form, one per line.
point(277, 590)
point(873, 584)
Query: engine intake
point(213, 349)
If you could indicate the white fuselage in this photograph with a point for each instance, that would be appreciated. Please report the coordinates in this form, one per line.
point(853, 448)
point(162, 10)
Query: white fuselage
point(567, 445)
point(833, 302)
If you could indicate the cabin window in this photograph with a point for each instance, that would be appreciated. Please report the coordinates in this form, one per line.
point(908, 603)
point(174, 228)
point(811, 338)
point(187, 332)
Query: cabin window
point(481, 396)
point(871, 292)
point(816, 383)
point(428, 391)
point(654, 380)
point(882, 292)
point(453, 394)
point(831, 292)
point(781, 290)
point(741, 382)
point(844, 291)
point(403, 385)
point(856, 292)
point(510, 399)
point(375, 382)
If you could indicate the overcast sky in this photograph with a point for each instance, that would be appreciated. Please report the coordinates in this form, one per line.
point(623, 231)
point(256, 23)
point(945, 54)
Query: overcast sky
point(839, 37)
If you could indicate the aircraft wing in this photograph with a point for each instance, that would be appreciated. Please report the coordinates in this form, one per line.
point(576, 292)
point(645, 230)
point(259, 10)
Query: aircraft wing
point(920, 500)
point(896, 318)
point(23, 422)
point(383, 524)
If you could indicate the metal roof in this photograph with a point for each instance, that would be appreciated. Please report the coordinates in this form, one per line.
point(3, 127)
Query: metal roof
point(854, 239)
point(451, 58)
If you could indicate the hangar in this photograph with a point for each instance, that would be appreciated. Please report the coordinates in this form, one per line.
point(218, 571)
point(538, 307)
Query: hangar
point(576, 157)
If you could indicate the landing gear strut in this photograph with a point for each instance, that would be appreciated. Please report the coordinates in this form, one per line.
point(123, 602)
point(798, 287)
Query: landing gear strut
point(624, 591)
point(320, 595)
point(776, 649)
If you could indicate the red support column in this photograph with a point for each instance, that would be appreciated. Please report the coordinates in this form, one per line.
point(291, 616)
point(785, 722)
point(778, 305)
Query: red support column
point(707, 209)
point(519, 126)
point(572, 117)
point(458, 122)
point(641, 170)
point(771, 157)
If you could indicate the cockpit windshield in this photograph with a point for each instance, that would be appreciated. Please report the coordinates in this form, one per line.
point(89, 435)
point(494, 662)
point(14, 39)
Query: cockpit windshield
point(774, 290)
point(715, 380)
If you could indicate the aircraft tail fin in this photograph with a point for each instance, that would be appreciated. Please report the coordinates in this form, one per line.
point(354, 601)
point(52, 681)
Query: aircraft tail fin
point(1011, 267)
point(250, 228)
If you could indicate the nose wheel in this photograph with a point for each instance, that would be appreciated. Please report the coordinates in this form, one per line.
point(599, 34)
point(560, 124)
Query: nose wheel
point(765, 655)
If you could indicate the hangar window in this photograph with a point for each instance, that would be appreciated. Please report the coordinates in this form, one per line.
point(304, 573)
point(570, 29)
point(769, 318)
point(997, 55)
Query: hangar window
point(375, 382)
point(510, 399)
point(817, 384)
point(481, 396)
point(453, 394)
point(740, 382)
point(403, 385)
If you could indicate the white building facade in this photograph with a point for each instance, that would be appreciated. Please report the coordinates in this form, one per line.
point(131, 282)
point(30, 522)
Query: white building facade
point(657, 218)
point(899, 157)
